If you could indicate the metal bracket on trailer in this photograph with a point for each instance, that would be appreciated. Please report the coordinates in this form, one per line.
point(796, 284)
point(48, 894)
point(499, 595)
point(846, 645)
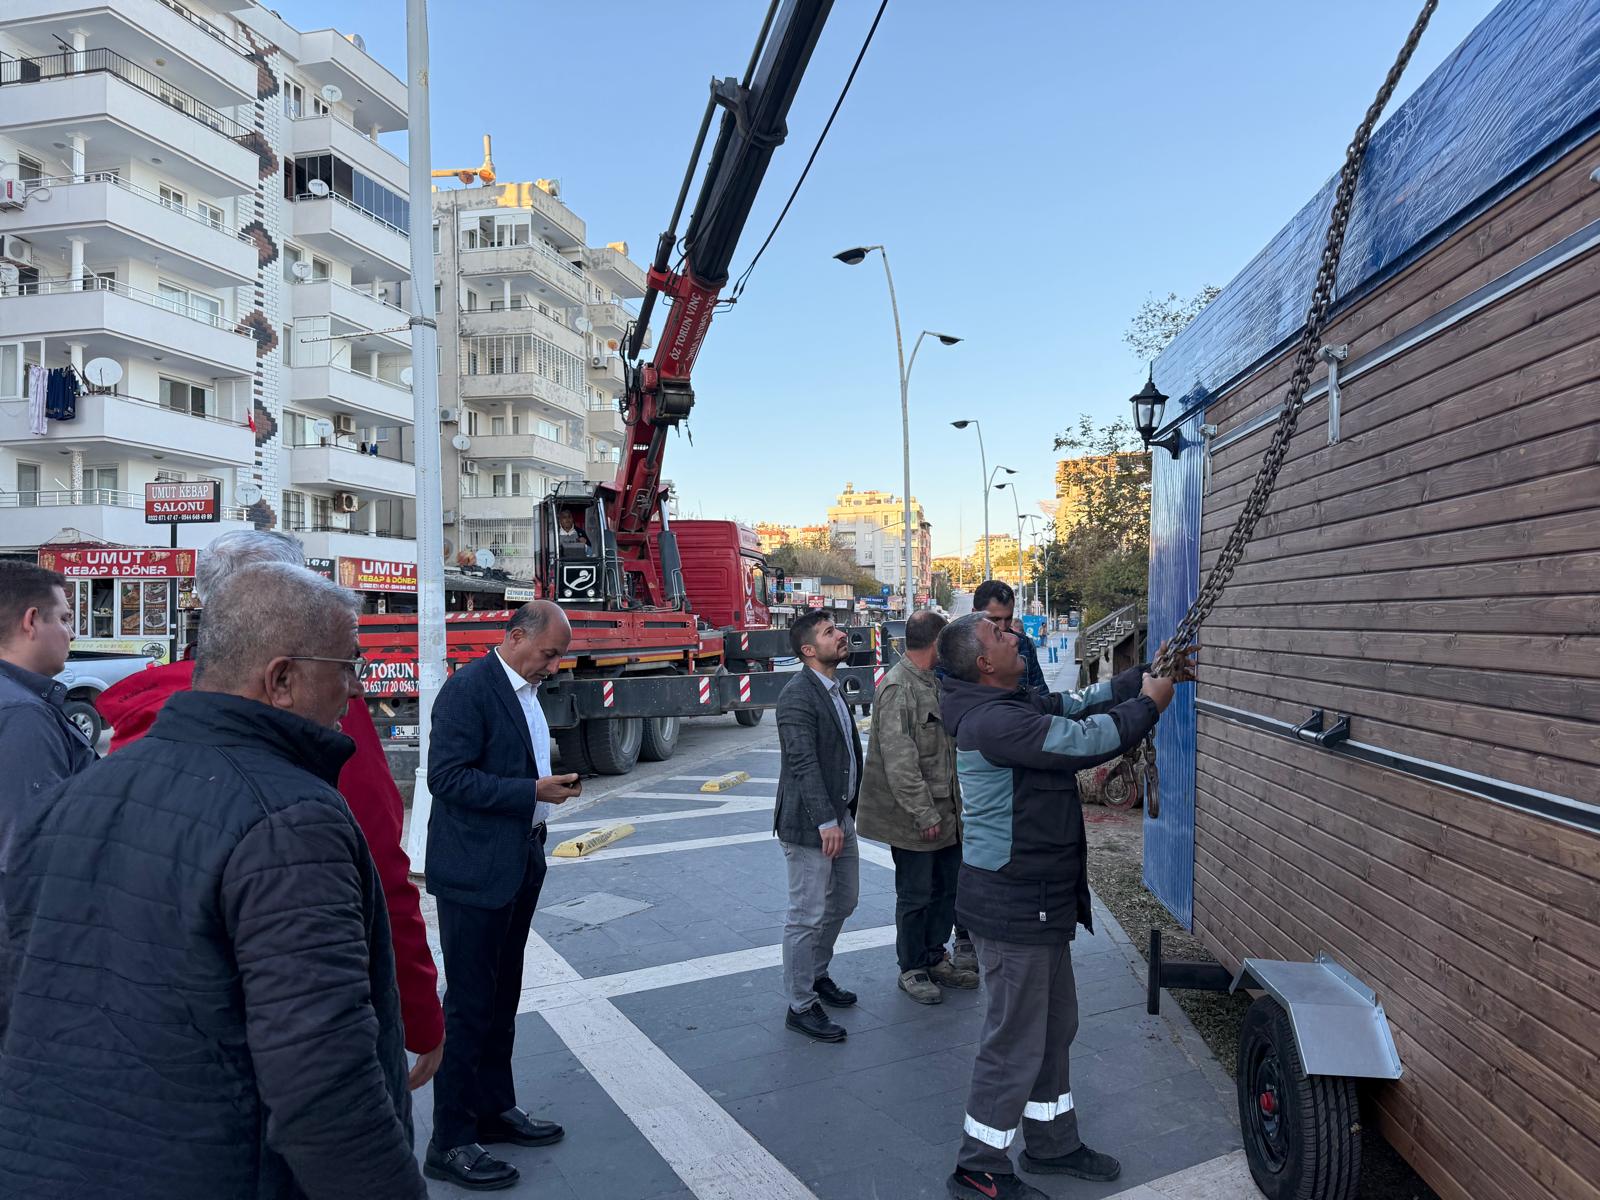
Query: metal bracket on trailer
point(1339, 1026)
point(568, 701)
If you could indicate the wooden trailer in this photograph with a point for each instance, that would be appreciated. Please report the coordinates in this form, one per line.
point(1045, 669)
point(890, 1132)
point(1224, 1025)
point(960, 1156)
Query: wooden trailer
point(1429, 570)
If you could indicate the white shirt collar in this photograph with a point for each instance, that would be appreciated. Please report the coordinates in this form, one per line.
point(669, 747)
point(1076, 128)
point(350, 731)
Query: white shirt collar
point(517, 681)
point(831, 684)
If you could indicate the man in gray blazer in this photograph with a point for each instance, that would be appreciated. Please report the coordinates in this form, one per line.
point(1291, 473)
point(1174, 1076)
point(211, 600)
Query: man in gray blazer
point(818, 778)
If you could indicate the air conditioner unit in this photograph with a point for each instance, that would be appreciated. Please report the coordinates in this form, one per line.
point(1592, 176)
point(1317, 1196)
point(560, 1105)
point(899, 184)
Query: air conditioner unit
point(597, 360)
point(16, 250)
point(344, 423)
point(469, 466)
point(344, 502)
point(449, 416)
point(13, 192)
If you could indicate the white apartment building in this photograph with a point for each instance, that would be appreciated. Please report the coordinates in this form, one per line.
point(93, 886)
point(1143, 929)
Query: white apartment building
point(531, 320)
point(200, 222)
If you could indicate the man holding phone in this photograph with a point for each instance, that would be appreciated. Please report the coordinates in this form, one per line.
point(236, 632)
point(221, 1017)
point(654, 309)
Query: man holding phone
point(489, 772)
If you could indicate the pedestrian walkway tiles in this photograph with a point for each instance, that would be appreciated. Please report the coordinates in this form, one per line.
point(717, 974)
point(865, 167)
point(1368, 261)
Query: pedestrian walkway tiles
point(654, 1032)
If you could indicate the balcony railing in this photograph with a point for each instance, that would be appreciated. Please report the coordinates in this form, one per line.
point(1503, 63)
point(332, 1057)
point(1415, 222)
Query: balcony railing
point(348, 290)
point(95, 283)
point(540, 246)
point(335, 118)
point(100, 61)
point(207, 27)
point(133, 189)
point(94, 497)
point(215, 418)
point(351, 204)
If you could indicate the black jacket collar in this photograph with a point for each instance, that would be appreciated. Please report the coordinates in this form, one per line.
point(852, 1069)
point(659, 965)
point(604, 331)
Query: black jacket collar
point(219, 719)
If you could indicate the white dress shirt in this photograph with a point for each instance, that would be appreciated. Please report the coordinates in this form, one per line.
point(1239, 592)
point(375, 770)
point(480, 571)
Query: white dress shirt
point(846, 726)
point(538, 729)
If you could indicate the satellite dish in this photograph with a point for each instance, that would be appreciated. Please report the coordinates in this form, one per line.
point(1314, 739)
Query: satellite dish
point(103, 372)
point(448, 547)
point(332, 92)
point(485, 559)
point(247, 493)
point(356, 40)
point(316, 187)
point(322, 427)
point(302, 270)
point(405, 376)
point(583, 325)
point(461, 442)
point(611, 344)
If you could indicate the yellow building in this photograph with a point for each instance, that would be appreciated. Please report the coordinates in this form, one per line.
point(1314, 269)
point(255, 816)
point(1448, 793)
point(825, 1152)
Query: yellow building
point(1076, 479)
point(872, 525)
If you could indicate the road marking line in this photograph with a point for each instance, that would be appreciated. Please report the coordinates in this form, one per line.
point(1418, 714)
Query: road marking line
point(713, 1154)
point(726, 808)
point(731, 839)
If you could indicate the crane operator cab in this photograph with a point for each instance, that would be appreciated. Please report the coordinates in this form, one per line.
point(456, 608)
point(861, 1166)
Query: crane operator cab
point(576, 554)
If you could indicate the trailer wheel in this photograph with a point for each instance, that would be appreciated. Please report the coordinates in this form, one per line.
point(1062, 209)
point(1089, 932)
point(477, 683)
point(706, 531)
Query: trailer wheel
point(660, 738)
point(749, 716)
point(87, 718)
point(1302, 1133)
point(613, 745)
point(573, 749)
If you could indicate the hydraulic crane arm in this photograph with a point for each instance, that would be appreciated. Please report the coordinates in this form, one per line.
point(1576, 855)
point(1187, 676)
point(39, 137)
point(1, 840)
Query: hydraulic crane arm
point(659, 395)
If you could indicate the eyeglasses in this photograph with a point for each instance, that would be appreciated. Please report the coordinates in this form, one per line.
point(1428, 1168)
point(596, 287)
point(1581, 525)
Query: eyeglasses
point(357, 666)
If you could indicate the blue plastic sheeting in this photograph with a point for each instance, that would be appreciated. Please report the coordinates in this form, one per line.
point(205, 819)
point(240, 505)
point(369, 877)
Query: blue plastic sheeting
point(1522, 90)
point(1176, 493)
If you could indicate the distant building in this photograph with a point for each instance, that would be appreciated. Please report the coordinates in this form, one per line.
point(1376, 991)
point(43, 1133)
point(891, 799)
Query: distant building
point(871, 525)
point(1076, 479)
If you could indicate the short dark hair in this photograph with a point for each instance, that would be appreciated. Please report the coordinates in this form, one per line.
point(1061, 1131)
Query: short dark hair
point(991, 590)
point(923, 628)
point(531, 618)
point(804, 630)
point(959, 648)
point(24, 585)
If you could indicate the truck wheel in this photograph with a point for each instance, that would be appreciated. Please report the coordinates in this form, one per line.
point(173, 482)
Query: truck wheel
point(573, 750)
point(749, 716)
point(1302, 1133)
point(613, 745)
point(660, 738)
point(87, 718)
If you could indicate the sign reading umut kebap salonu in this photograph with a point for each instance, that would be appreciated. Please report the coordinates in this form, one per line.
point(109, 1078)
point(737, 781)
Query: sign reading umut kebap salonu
point(181, 503)
point(377, 575)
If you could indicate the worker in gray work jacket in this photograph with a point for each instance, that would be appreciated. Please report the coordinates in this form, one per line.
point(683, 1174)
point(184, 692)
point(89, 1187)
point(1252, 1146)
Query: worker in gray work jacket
point(1024, 889)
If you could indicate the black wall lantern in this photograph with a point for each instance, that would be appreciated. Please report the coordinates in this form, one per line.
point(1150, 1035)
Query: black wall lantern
point(1148, 406)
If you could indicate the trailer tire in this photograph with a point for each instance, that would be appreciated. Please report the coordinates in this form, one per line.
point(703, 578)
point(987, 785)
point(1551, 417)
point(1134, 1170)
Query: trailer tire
point(660, 740)
point(1302, 1133)
point(573, 749)
point(613, 745)
point(87, 718)
point(749, 716)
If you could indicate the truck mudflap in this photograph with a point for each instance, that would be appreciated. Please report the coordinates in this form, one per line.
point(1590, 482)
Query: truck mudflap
point(569, 701)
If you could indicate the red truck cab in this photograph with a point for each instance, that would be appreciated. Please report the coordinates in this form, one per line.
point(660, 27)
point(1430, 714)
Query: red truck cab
point(724, 573)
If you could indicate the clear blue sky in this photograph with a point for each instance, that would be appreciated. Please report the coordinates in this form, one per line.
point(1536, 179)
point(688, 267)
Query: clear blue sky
point(1036, 168)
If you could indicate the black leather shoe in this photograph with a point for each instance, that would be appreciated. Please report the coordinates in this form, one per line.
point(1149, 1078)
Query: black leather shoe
point(1083, 1163)
point(814, 1024)
point(471, 1167)
point(831, 993)
point(520, 1129)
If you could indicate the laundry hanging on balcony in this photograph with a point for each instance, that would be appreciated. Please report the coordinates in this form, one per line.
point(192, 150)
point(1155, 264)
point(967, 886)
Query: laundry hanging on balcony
point(61, 395)
point(37, 386)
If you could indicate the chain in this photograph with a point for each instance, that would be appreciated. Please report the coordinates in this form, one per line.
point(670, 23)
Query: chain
point(1305, 361)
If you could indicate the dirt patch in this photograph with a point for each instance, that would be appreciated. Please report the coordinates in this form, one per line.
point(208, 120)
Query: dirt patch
point(1116, 872)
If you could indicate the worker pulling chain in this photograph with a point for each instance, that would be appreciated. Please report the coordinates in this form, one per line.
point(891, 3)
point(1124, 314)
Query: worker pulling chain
point(1222, 570)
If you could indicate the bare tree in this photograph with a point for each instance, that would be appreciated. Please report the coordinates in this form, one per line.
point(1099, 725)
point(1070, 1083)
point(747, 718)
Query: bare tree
point(1159, 321)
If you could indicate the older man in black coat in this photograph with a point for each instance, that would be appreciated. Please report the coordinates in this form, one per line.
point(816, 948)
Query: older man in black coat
point(204, 1003)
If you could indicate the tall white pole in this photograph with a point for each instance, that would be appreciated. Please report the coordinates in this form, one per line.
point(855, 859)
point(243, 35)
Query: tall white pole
point(425, 392)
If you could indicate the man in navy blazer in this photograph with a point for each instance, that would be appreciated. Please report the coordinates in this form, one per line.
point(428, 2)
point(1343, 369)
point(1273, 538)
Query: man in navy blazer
point(489, 772)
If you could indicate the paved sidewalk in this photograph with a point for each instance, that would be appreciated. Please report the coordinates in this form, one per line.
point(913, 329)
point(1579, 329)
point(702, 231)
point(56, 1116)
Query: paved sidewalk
point(652, 1028)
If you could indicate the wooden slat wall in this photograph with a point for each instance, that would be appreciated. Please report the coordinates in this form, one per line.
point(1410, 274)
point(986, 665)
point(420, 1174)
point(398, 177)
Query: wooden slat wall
point(1437, 575)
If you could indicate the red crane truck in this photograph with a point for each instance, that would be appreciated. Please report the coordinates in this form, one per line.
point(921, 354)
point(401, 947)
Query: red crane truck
point(669, 619)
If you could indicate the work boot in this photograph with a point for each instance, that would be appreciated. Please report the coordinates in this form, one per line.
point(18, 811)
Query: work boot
point(947, 974)
point(920, 988)
point(980, 1185)
point(963, 956)
point(1082, 1162)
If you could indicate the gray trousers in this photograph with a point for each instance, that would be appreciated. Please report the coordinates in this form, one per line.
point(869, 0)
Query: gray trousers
point(822, 895)
point(1020, 1076)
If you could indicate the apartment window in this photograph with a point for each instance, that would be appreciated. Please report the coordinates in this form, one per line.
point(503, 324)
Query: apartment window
point(550, 430)
point(320, 268)
point(29, 168)
point(28, 484)
point(436, 237)
point(343, 180)
point(185, 397)
point(523, 352)
point(322, 512)
point(294, 510)
point(171, 476)
point(516, 422)
point(210, 213)
point(98, 480)
point(472, 301)
point(497, 426)
point(181, 299)
point(501, 486)
point(294, 100)
point(172, 198)
point(438, 297)
point(471, 416)
point(288, 345)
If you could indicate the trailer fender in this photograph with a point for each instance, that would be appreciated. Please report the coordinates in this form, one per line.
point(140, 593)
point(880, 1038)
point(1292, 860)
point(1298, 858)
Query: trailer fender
point(1339, 1026)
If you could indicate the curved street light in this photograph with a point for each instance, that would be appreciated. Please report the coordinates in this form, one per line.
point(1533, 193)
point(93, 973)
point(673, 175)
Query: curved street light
point(852, 258)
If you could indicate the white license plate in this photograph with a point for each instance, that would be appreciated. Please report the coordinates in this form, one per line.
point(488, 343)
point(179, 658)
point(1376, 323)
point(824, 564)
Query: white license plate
point(402, 731)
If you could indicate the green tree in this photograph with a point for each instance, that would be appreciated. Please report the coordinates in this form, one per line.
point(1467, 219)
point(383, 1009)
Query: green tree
point(1159, 321)
point(1104, 560)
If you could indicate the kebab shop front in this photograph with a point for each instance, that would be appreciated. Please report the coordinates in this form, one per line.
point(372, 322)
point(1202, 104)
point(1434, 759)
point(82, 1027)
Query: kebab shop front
point(127, 601)
point(385, 585)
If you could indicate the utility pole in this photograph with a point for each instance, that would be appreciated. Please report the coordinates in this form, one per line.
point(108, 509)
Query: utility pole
point(425, 394)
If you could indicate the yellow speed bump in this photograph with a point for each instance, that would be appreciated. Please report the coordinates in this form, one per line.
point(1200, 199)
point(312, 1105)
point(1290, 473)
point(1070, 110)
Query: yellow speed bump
point(723, 783)
point(595, 839)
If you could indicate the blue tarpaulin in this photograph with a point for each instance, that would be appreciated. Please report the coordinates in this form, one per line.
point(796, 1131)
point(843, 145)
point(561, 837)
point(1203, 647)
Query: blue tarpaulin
point(1521, 91)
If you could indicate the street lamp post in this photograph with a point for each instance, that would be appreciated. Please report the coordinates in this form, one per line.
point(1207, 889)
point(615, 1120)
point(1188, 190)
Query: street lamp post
point(1033, 530)
point(1017, 511)
point(854, 257)
point(988, 481)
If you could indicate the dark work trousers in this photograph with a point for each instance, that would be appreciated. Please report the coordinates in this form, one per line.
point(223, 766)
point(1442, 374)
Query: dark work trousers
point(483, 950)
point(1019, 1078)
point(924, 903)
